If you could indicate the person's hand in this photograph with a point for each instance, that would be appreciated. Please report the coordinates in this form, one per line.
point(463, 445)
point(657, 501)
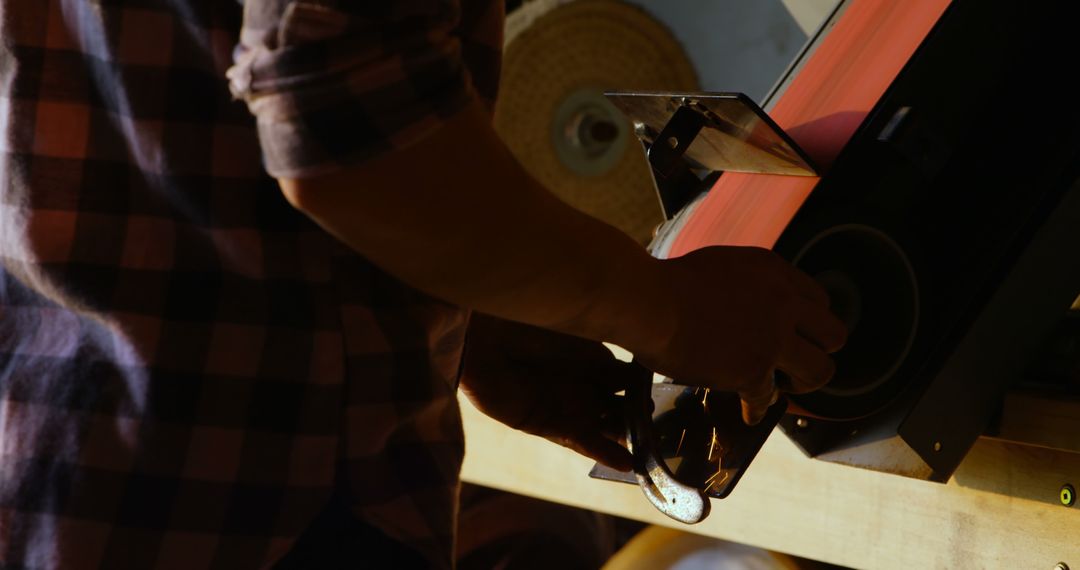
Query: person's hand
point(549, 384)
point(739, 315)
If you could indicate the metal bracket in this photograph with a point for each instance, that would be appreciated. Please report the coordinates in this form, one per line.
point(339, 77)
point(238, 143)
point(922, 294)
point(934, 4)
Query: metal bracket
point(676, 182)
point(691, 138)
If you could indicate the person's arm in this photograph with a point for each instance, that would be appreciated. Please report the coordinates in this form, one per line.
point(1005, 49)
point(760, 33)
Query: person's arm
point(368, 122)
point(456, 216)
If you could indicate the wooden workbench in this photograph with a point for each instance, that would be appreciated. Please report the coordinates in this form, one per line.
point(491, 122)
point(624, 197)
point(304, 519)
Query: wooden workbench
point(1000, 510)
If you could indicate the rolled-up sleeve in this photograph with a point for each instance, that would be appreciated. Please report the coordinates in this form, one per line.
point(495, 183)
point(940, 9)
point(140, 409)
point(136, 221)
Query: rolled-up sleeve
point(337, 83)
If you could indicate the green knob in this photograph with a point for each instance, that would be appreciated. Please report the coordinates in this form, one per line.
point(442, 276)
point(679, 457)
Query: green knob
point(1068, 495)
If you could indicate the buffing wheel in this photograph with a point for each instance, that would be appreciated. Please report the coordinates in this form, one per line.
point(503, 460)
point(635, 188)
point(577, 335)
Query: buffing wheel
point(560, 57)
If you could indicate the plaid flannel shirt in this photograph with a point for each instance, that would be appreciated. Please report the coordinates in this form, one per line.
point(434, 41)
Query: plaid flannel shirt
point(190, 370)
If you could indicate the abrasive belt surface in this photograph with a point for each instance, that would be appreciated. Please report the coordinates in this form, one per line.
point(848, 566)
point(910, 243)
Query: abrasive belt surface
point(821, 109)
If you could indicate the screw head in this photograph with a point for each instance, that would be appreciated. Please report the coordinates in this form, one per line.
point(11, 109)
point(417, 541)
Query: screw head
point(937, 446)
point(1061, 566)
point(801, 423)
point(1067, 495)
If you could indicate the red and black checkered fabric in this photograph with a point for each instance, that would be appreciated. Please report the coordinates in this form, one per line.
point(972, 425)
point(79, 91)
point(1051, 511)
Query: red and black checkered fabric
point(189, 368)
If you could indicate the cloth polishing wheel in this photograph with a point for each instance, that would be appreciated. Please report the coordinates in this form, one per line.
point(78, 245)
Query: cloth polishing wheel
point(559, 59)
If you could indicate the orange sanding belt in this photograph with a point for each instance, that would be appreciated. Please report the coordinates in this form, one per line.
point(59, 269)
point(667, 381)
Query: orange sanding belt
point(821, 109)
